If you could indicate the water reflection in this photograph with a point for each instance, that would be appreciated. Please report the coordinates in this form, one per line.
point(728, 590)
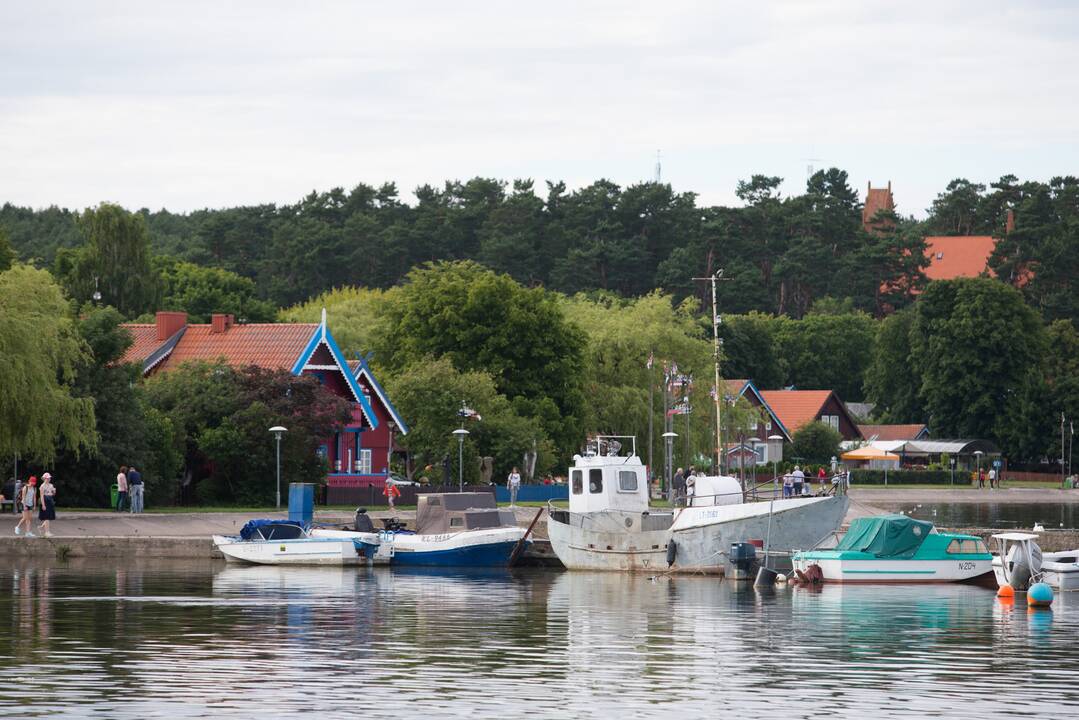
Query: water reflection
point(993, 515)
point(204, 640)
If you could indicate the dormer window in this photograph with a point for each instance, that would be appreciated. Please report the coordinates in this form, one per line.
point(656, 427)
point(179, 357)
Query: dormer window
point(940, 256)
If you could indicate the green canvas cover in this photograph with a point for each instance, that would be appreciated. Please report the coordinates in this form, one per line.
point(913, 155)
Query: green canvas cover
point(886, 536)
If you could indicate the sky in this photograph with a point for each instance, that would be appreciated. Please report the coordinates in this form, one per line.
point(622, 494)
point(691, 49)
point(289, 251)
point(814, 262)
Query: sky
point(196, 104)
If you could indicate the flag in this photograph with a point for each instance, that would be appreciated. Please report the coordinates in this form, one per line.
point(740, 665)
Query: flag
point(469, 413)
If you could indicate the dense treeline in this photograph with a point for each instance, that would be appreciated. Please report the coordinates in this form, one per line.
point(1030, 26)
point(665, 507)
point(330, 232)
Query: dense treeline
point(540, 310)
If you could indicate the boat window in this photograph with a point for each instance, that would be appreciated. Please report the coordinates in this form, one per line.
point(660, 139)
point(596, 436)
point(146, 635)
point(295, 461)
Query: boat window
point(961, 547)
point(282, 532)
point(595, 480)
point(627, 481)
point(457, 522)
point(576, 481)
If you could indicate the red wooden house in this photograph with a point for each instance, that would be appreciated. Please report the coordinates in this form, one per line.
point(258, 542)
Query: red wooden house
point(359, 454)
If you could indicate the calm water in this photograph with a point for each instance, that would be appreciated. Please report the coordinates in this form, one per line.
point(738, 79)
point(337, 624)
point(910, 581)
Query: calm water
point(206, 640)
point(995, 515)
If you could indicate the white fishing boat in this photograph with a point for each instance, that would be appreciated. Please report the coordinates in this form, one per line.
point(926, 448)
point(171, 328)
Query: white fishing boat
point(1020, 563)
point(285, 542)
point(452, 530)
point(898, 549)
point(610, 526)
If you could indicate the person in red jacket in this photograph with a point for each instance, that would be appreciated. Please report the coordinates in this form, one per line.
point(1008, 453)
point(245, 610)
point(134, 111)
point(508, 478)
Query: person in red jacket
point(391, 492)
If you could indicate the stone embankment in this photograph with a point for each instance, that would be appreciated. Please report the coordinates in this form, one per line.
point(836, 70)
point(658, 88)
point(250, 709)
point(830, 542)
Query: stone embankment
point(187, 535)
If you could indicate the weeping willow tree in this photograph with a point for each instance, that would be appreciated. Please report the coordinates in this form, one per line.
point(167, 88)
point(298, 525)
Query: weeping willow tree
point(39, 351)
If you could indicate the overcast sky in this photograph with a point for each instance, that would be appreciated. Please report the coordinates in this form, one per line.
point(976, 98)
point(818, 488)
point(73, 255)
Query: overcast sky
point(188, 105)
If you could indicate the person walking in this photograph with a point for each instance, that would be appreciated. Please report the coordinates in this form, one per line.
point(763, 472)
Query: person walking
point(678, 487)
point(799, 478)
point(121, 488)
point(993, 478)
point(513, 482)
point(29, 502)
point(788, 485)
point(48, 505)
point(390, 492)
point(981, 479)
point(134, 489)
point(822, 479)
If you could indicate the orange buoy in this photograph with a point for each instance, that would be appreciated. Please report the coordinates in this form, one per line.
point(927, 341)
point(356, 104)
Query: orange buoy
point(1006, 591)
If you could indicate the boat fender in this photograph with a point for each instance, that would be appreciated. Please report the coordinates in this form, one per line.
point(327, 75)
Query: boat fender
point(814, 574)
point(672, 551)
point(801, 576)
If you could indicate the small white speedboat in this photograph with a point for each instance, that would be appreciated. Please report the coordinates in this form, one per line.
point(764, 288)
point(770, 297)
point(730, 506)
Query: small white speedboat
point(285, 542)
point(1060, 570)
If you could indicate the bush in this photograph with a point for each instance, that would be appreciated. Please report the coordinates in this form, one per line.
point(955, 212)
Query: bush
point(907, 477)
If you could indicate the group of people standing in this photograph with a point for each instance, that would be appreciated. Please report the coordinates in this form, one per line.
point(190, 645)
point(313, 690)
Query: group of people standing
point(43, 499)
point(129, 489)
point(683, 485)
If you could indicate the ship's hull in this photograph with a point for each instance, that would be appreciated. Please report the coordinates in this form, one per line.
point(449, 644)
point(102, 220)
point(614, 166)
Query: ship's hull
point(702, 536)
point(907, 572)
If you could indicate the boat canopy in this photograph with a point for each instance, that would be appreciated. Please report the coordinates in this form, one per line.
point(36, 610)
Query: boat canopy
point(454, 512)
point(254, 530)
point(886, 536)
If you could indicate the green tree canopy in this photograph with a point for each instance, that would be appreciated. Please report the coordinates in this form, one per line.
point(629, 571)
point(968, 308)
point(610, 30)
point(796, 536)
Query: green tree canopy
point(41, 351)
point(202, 291)
point(972, 343)
point(816, 443)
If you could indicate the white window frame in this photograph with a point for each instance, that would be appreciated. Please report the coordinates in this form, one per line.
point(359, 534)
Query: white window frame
point(622, 474)
point(364, 461)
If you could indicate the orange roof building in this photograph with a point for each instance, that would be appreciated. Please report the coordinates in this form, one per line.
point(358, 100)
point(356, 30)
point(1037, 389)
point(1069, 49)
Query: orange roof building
point(876, 200)
point(796, 408)
point(358, 455)
point(958, 256)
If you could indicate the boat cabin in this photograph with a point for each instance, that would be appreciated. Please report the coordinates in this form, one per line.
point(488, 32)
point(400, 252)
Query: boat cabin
point(454, 512)
point(603, 479)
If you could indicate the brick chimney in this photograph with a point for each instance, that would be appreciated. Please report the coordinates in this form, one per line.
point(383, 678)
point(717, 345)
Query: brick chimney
point(219, 323)
point(1009, 222)
point(169, 323)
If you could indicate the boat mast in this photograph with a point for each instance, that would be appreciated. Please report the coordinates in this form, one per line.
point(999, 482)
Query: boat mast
point(715, 357)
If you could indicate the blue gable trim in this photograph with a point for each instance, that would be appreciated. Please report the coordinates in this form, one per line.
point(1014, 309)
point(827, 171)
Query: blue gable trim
point(322, 335)
point(365, 369)
point(768, 407)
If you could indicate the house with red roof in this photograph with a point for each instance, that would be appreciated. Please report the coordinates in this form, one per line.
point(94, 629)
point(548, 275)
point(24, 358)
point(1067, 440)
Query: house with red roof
point(958, 256)
point(359, 454)
point(890, 433)
point(796, 408)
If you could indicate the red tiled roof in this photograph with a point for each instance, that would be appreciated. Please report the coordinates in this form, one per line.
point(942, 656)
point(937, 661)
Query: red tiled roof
point(735, 386)
point(956, 256)
point(268, 345)
point(145, 342)
point(796, 408)
point(891, 432)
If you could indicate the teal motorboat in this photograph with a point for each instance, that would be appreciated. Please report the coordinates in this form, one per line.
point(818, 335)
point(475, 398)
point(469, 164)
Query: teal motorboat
point(899, 549)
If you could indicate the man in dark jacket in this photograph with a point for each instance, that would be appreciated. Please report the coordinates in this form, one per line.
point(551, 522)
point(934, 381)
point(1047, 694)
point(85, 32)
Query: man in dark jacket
point(134, 489)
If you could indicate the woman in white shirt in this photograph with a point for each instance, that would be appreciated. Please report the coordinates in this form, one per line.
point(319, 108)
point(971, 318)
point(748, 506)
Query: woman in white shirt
point(48, 504)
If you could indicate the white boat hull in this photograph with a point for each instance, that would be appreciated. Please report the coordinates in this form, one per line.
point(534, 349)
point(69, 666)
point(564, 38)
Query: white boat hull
point(489, 547)
point(639, 542)
point(306, 551)
point(897, 571)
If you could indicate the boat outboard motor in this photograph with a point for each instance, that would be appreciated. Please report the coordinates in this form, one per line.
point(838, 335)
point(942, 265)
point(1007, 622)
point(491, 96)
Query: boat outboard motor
point(743, 556)
point(393, 524)
point(363, 521)
point(1024, 569)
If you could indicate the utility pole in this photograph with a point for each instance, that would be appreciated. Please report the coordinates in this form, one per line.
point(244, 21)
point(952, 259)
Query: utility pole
point(716, 342)
point(1062, 449)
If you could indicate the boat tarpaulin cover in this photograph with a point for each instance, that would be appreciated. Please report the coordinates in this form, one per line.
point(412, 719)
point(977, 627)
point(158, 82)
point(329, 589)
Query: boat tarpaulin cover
point(253, 526)
point(886, 536)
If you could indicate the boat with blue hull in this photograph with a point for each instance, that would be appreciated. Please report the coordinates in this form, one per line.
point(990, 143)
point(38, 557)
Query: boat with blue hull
point(452, 530)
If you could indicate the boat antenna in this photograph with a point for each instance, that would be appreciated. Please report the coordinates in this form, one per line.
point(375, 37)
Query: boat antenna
point(717, 342)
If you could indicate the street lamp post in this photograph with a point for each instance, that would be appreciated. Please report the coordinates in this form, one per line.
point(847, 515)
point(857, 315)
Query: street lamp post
point(278, 431)
point(460, 434)
point(952, 461)
point(978, 458)
point(669, 437)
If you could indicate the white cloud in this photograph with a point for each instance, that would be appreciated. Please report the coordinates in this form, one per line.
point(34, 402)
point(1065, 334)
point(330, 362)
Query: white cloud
point(211, 104)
